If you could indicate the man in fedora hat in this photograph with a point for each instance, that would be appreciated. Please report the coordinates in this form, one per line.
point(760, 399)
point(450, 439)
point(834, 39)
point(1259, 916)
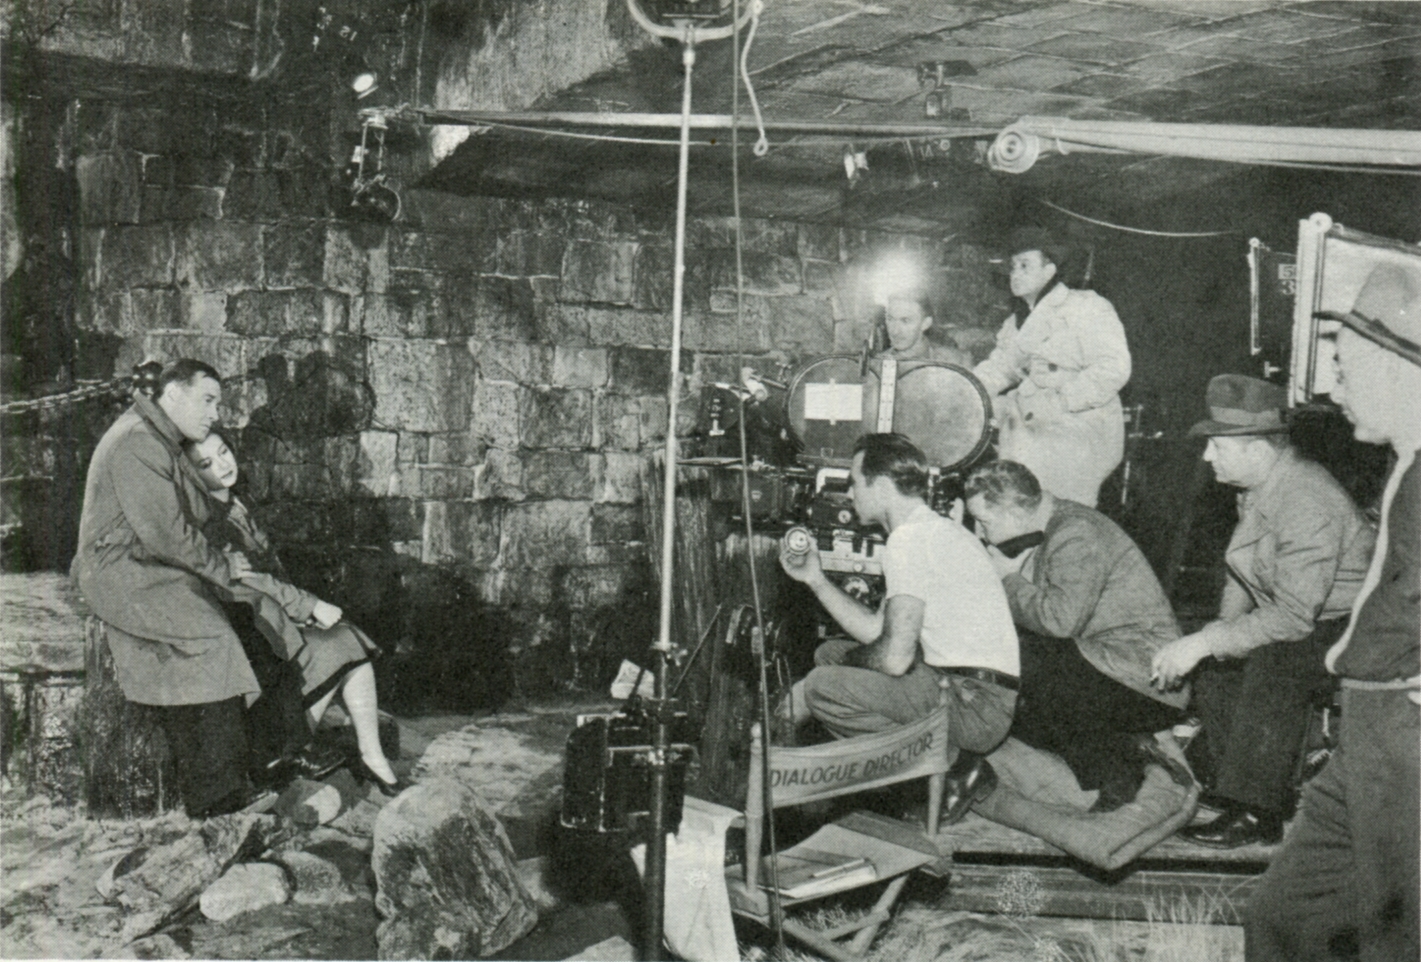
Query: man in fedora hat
point(1295, 565)
point(1348, 873)
point(1059, 364)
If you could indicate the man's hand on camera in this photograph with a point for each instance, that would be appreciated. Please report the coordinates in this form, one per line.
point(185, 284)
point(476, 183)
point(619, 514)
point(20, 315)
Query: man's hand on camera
point(804, 566)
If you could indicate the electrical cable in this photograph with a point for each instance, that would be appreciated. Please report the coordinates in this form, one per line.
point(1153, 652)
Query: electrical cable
point(612, 138)
point(1137, 230)
point(762, 145)
point(776, 908)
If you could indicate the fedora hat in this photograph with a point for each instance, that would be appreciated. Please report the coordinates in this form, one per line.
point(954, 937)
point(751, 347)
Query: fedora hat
point(1239, 404)
point(1387, 311)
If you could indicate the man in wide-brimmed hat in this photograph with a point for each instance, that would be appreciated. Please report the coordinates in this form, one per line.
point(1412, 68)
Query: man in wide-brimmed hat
point(1295, 564)
point(1348, 873)
point(1059, 364)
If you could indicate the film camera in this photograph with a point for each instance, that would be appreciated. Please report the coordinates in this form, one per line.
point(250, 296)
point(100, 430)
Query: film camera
point(802, 437)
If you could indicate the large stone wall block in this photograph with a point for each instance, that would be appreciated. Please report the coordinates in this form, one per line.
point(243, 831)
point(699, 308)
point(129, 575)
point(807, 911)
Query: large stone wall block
point(132, 312)
point(305, 192)
point(377, 471)
point(516, 361)
point(141, 256)
point(803, 324)
point(620, 481)
point(568, 475)
point(253, 196)
point(519, 590)
point(556, 418)
point(616, 422)
point(600, 272)
point(442, 483)
point(595, 587)
point(202, 168)
point(301, 482)
point(824, 278)
point(638, 370)
point(280, 313)
point(757, 235)
point(341, 457)
point(531, 253)
point(226, 352)
point(500, 477)
point(611, 326)
point(819, 242)
point(434, 210)
point(449, 253)
point(293, 254)
point(764, 273)
point(616, 523)
point(205, 311)
point(474, 530)
point(436, 544)
point(711, 331)
point(497, 407)
point(401, 312)
point(544, 534)
point(348, 255)
point(219, 255)
point(421, 385)
point(566, 325)
point(380, 521)
point(495, 308)
point(109, 187)
point(653, 413)
point(851, 333)
point(458, 449)
point(585, 367)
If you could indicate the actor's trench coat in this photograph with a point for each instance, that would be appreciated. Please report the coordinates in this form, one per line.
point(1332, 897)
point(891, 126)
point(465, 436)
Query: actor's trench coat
point(145, 568)
point(1065, 364)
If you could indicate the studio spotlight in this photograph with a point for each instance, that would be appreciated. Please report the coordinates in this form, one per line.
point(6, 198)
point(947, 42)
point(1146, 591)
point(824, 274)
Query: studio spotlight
point(364, 84)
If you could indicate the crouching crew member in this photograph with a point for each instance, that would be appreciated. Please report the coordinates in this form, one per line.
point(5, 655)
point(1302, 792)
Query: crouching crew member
point(1062, 359)
point(908, 318)
point(1090, 615)
point(944, 623)
point(1295, 564)
point(1346, 881)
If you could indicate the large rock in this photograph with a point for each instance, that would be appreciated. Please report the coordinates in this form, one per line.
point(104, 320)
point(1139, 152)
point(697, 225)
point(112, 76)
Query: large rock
point(318, 880)
point(446, 882)
point(245, 888)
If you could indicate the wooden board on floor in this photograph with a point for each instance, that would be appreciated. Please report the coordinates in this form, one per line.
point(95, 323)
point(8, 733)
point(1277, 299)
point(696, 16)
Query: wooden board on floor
point(1146, 895)
point(977, 836)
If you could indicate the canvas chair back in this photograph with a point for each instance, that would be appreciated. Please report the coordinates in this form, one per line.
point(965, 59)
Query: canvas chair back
point(842, 767)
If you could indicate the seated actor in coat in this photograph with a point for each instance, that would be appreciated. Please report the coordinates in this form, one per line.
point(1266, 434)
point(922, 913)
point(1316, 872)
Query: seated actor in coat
point(145, 568)
point(1295, 565)
point(1060, 362)
point(1090, 615)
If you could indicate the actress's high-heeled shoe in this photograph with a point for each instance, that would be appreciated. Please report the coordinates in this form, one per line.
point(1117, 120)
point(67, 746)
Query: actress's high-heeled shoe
point(389, 789)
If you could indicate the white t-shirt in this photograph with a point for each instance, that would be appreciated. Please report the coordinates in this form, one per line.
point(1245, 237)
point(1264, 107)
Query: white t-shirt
point(966, 618)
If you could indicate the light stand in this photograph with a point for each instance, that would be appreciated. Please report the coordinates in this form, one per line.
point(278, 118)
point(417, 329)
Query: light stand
point(689, 31)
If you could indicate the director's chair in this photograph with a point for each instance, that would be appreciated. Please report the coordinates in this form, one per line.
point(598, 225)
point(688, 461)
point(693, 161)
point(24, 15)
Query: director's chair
point(842, 767)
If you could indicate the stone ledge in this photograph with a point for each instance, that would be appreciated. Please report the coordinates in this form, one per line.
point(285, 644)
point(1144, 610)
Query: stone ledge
point(41, 623)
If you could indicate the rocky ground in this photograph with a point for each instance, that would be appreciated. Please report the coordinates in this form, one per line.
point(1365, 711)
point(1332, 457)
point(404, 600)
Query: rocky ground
point(51, 858)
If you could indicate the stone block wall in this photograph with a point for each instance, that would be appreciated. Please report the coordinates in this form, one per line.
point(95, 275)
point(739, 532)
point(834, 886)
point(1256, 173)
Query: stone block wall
point(445, 419)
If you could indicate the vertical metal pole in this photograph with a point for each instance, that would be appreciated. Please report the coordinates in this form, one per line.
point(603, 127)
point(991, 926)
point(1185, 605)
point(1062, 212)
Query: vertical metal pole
point(656, 845)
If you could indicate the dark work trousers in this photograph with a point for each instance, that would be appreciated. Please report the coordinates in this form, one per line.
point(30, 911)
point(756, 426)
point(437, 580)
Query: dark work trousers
point(1345, 884)
point(276, 721)
point(209, 745)
point(1255, 716)
point(1070, 707)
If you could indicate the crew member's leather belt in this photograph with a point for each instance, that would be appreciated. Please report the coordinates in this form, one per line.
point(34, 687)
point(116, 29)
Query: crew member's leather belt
point(1010, 682)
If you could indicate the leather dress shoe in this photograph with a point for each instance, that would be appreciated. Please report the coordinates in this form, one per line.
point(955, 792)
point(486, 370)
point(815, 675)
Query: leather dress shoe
point(970, 779)
point(311, 762)
point(1235, 829)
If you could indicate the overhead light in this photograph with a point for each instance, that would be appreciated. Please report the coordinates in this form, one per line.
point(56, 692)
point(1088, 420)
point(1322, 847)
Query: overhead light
point(855, 163)
point(364, 84)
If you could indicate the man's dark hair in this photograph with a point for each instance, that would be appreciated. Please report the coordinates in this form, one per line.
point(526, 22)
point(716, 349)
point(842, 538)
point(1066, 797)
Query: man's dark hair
point(1004, 483)
point(898, 458)
point(184, 371)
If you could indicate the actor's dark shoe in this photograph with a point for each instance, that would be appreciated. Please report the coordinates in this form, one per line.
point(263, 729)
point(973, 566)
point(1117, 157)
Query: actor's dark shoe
point(312, 762)
point(1153, 753)
point(1235, 829)
point(970, 779)
point(388, 789)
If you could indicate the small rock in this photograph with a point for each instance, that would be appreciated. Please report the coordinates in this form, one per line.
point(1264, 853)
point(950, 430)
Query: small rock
point(318, 881)
point(615, 949)
point(245, 887)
